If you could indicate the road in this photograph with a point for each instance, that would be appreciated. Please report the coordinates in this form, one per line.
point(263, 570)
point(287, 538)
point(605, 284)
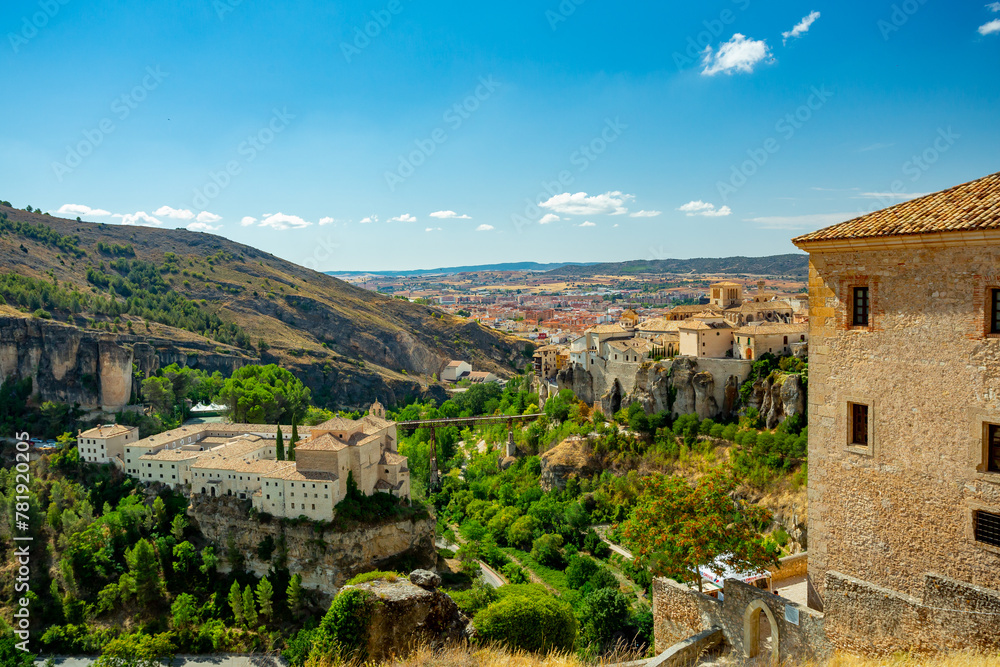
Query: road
point(490, 576)
point(602, 530)
point(217, 660)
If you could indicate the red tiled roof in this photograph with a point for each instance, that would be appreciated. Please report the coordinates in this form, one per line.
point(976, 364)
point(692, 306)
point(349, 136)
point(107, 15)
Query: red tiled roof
point(967, 207)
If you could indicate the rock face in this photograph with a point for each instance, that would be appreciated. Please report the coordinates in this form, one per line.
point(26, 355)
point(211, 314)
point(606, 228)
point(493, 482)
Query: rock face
point(709, 388)
point(570, 458)
point(78, 366)
point(407, 616)
point(325, 560)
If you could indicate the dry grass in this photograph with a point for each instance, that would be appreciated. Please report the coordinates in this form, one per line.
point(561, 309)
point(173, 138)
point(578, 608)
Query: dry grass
point(470, 656)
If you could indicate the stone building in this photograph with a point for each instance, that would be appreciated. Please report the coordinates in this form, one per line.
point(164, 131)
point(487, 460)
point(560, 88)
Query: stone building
point(752, 340)
point(707, 335)
point(105, 443)
point(904, 423)
point(239, 460)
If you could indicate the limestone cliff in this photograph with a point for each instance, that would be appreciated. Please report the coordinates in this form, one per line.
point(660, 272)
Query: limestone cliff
point(325, 558)
point(709, 388)
point(77, 366)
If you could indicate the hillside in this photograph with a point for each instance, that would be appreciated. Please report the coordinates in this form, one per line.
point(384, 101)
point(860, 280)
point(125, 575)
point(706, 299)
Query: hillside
point(201, 299)
point(451, 270)
point(794, 264)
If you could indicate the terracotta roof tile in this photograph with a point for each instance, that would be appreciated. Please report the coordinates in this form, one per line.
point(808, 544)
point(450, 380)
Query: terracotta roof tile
point(967, 207)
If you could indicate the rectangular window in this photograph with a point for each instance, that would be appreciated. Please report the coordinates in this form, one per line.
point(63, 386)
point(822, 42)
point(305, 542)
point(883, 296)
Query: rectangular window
point(859, 424)
point(987, 527)
point(992, 448)
point(995, 311)
point(860, 307)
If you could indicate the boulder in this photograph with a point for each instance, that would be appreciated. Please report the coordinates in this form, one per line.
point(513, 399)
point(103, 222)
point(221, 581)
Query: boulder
point(425, 579)
point(407, 616)
point(570, 458)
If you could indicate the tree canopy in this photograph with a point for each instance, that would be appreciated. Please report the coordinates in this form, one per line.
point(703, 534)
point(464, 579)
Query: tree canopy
point(265, 395)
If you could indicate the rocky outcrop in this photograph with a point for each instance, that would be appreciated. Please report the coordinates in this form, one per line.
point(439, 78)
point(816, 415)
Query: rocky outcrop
point(778, 397)
point(570, 458)
point(406, 616)
point(94, 370)
point(709, 388)
point(325, 558)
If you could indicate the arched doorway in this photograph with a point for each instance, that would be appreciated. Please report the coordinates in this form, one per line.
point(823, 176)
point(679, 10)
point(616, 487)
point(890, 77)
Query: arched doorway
point(757, 638)
point(203, 490)
point(748, 354)
point(213, 490)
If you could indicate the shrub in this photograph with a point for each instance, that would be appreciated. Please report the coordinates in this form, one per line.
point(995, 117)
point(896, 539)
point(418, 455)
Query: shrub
point(528, 623)
point(373, 576)
point(343, 630)
point(607, 613)
point(546, 550)
point(603, 578)
point(581, 569)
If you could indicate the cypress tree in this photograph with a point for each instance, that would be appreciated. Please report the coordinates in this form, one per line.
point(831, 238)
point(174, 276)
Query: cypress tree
point(249, 608)
point(292, 440)
point(279, 446)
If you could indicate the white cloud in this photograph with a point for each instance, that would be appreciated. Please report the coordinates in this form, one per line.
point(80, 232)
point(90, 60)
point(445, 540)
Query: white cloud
point(406, 217)
point(137, 218)
point(367, 221)
point(739, 54)
point(588, 224)
point(81, 210)
point(644, 214)
point(206, 217)
point(484, 228)
point(327, 220)
point(610, 203)
point(248, 221)
point(281, 222)
point(175, 213)
point(549, 217)
point(446, 215)
point(990, 28)
point(993, 6)
point(813, 221)
point(433, 229)
point(615, 225)
point(704, 208)
point(801, 28)
point(202, 227)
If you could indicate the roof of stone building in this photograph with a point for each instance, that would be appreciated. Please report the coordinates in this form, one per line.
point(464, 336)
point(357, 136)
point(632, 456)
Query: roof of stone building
point(106, 431)
point(607, 328)
point(179, 454)
point(267, 467)
point(660, 324)
point(772, 328)
point(967, 207)
point(726, 283)
point(337, 424)
point(391, 458)
point(295, 474)
point(322, 443)
point(758, 306)
point(698, 325)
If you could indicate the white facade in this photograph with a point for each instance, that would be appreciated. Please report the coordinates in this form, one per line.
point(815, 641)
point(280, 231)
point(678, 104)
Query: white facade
point(455, 370)
point(105, 443)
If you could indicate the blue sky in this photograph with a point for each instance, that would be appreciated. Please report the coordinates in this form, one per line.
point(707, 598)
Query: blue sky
point(396, 134)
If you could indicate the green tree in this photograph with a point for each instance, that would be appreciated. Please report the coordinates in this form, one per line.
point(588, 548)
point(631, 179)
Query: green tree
point(209, 561)
point(674, 527)
point(522, 531)
point(184, 611)
point(529, 623)
point(547, 550)
point(265, 395)
point(177, 527)
point(279, 445)
point(249, 607)
point(293, 594)
point(184, 555)
point(160, 512)
point(159, 393)
point(292, 441)
point(136, 650)
point(607, 613)
point(235, 600)
point(143, 567)
point(264, 594)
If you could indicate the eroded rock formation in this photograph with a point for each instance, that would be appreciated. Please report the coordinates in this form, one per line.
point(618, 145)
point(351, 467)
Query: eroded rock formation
point(325, 560)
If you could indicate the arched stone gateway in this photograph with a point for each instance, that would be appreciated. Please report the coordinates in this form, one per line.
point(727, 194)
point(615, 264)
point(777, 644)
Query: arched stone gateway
point(751, 630)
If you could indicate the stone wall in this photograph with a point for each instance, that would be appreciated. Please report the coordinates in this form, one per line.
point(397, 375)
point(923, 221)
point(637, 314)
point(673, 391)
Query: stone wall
point(324, 559)
point(868, 619)
point(678, 610)
point(902, 506)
